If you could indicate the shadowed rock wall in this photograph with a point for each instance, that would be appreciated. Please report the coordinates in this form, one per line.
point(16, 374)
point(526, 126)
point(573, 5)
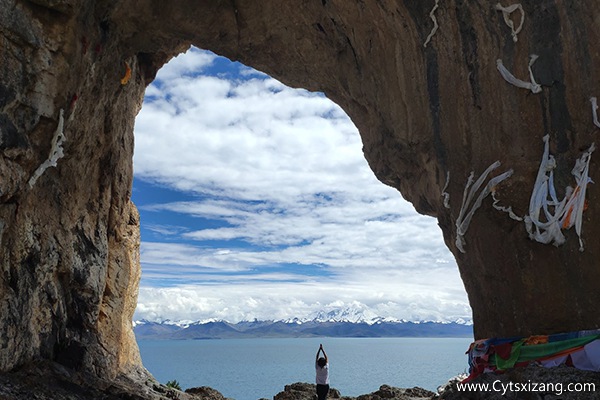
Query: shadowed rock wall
point(69, 256)
point(69, 243)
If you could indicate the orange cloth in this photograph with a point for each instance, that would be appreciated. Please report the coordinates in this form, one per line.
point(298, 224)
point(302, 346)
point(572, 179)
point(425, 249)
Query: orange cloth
point(536, 339)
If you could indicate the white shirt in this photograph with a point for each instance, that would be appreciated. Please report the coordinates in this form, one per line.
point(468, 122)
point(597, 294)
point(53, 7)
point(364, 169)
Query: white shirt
point(322, 374)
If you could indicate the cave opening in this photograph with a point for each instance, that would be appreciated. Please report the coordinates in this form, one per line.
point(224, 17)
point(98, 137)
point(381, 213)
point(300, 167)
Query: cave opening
point(256, 204)
point(70, 238)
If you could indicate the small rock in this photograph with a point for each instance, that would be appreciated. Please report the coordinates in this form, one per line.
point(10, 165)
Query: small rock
point(304, 391)
point(394, 393)
point(205, 393)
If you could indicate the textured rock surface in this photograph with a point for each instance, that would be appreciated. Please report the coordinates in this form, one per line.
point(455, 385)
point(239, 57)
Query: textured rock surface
point(307, 391)
point(389, 392)
point(69, 243)
point(304, 391)
point(206, 393)
point(52, 381)
point(531, 383)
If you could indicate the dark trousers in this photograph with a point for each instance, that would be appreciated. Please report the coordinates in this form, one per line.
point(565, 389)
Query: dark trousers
point(322, 391)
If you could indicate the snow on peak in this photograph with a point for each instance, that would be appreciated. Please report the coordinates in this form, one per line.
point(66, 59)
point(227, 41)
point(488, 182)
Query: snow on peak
point(355, 313)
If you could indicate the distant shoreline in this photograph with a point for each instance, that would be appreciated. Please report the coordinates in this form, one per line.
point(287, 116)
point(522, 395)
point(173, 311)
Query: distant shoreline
point(280, 329)
point(309, 337)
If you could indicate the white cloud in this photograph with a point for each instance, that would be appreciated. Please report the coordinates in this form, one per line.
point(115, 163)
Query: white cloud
point(276, 300)
point(282, 170)
point(248, 142)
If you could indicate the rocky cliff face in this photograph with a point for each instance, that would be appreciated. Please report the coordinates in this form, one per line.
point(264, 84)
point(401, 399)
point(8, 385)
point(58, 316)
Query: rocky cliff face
point(69, 232)
point(72, 78)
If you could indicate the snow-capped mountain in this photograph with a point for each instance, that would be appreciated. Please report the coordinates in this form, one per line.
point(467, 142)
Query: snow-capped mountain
point(355, 313)
point(352, 321)
point(360, 314)
point(352, 314)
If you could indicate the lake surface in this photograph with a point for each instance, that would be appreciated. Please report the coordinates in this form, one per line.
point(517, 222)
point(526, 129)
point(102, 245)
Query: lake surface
point(249, 369)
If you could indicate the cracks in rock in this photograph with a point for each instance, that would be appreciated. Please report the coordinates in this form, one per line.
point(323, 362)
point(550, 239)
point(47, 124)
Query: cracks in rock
point(347, 43)
point(469, 44)
point(418, 11)
point(550, 72)
point(433, 90)
point(358, 68)
point(237, 22)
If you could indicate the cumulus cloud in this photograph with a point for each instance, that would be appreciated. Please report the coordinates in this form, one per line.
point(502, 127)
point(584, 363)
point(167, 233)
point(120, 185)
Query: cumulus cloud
point(278, 213)
point(276, 300)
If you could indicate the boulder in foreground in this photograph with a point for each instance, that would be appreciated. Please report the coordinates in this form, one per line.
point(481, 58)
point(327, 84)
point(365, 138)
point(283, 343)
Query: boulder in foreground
point(307, 391)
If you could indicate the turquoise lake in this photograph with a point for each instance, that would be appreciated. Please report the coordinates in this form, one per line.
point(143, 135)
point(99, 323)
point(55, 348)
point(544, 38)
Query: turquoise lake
point(250, 369)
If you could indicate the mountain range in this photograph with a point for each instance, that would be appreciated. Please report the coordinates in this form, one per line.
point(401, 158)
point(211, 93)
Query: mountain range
point(325, 324)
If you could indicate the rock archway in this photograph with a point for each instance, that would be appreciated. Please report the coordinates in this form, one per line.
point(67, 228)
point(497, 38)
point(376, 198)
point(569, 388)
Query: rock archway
point(78, 69)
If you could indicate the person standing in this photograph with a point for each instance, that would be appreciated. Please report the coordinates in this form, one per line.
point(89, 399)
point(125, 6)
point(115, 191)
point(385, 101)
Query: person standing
point(322, 368)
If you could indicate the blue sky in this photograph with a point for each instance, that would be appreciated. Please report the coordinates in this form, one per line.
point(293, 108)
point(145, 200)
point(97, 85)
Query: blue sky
point(256, 202)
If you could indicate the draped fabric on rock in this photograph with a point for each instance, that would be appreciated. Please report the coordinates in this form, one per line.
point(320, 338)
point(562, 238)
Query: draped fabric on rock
point(577, 349)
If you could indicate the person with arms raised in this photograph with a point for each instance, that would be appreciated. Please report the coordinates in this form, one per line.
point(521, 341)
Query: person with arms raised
point(322, 368)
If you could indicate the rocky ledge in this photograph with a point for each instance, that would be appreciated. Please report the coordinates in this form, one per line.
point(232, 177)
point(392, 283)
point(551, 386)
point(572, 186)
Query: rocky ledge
point(51, 381)
point(306, 391)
